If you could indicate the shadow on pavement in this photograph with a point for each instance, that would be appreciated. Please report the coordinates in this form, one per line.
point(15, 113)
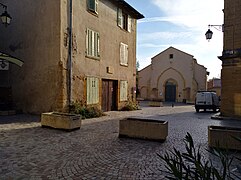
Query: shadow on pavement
point(19, 118)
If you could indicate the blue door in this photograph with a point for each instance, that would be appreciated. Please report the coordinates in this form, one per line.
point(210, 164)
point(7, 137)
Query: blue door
point(170, 92)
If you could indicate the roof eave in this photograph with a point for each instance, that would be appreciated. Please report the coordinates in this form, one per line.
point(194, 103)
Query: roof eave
point(124, 5)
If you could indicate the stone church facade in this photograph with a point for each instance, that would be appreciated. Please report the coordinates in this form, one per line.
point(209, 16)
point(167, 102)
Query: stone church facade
point(174, 76)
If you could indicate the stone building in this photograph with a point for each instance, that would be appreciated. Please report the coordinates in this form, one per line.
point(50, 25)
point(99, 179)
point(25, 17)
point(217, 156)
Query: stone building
point(173, 75)
point(73, 50)
point(231, 60)
point(214, 85)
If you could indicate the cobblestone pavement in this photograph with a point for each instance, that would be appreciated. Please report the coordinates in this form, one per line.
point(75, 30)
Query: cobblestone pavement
point(28, 151)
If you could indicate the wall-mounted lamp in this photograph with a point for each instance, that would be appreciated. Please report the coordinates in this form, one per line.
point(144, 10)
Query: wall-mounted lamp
point(4, 65)
point(5, 17)
point(209, 33)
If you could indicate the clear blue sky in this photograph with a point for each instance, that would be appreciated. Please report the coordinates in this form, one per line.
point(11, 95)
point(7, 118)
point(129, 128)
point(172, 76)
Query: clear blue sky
point(181, 24)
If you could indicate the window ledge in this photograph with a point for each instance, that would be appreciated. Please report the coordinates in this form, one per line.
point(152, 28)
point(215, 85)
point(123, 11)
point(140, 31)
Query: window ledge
point(93, 13)
point(93, 57)
point(124, 30)
point(124, 65)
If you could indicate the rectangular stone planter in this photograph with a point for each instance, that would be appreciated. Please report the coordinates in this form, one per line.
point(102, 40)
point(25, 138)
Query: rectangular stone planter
point(61, 120)
point(143, 128)
point(223, 137)
point(155, 104)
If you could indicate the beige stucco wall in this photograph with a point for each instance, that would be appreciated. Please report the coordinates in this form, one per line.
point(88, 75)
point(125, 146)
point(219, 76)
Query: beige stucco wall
point(144, 82)
point(200, 73)
point(39, 30)
point(110, 38)
point(34, 37)
point(200, 79)
point(182, 69)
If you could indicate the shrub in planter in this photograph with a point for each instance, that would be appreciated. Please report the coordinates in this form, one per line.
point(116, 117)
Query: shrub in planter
point(92, 112)
point(130, 106)
point(85, 112)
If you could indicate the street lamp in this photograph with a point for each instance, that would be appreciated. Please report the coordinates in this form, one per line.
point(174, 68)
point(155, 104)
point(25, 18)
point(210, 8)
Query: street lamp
point(209, 33)
point(5, 17)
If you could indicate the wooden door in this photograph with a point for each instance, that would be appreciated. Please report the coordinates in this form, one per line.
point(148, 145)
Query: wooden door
point(109, 95)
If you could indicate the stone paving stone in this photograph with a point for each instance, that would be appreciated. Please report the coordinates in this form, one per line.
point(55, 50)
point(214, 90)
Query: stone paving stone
point(95, 151)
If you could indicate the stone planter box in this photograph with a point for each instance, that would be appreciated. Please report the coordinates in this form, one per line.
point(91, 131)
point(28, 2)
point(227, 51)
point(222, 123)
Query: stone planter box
point(143, 128)
point(223, 137)
point(61, 120)
point(155, 104)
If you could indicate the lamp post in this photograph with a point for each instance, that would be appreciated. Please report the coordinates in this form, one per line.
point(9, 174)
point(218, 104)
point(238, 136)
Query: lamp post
point(209, 33)
point(5, 17)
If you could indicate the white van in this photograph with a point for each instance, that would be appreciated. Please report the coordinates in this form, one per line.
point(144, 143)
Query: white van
point(207, 100)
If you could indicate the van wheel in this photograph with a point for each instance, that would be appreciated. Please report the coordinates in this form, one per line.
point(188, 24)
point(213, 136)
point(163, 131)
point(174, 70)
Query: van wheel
point(197, 110)
point(214, 109)
point(204, 110)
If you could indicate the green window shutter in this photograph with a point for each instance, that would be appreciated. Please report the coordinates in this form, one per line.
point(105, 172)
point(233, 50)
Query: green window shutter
point(119, 18)
point(89, 42)
point(92, 90)
point(92, 43)
point(98, 45)
point(95, 44)
point(123, 90)
point(129, 24)
point(86, 42)
point(96, 91)
point(96, 6)
point(126, 90)
point(124, 54)
point(122, 49)
point(88, 85)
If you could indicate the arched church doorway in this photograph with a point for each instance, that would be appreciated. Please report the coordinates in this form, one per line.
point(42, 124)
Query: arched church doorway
point(170, 91)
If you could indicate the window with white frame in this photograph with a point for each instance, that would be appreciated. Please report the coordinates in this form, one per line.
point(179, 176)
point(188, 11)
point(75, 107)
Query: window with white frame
point(92, 5)
point(92, 43)
point(123, 90)
point(92, 90)
point(124, 20)
point(123, 54)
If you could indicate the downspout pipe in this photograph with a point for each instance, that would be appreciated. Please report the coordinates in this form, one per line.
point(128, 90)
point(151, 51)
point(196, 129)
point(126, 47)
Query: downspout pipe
point(69, 91)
